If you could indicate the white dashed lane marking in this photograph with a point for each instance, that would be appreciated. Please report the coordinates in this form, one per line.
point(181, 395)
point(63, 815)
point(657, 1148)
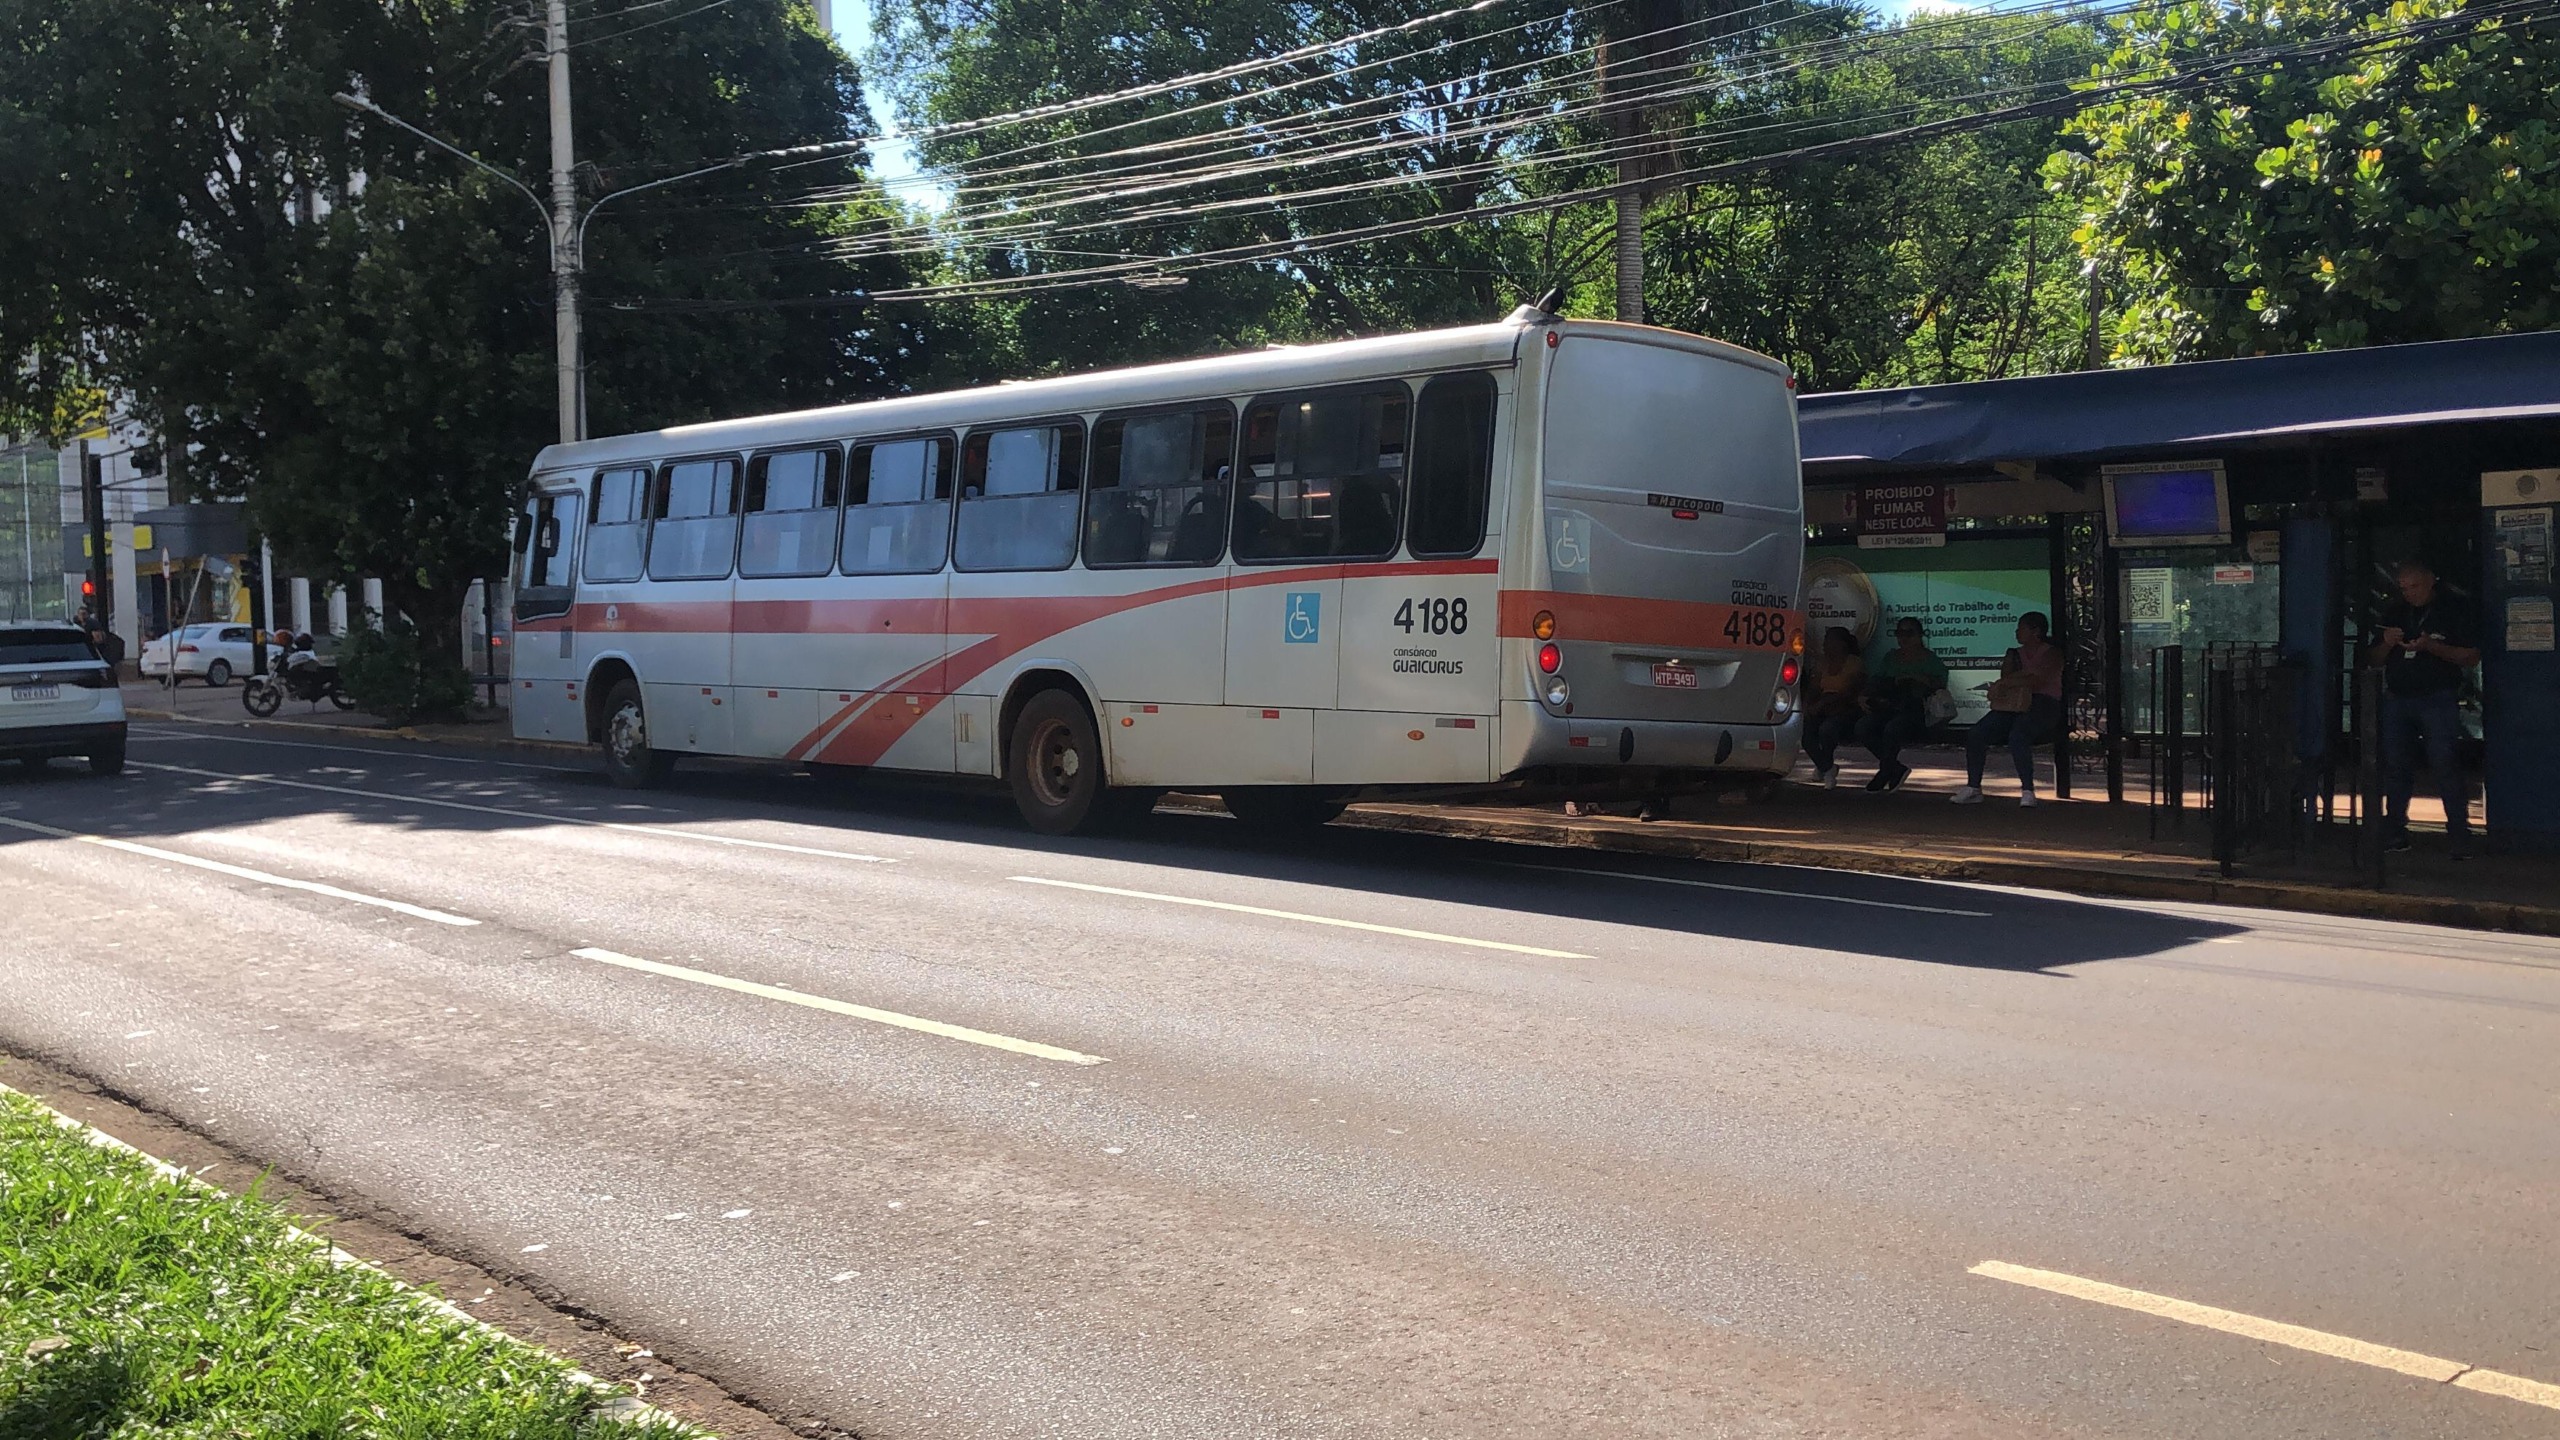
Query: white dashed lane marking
point(2277, 1332)
point(242, 872)
point(1306, 919)
point(987, 1038)
point(622, 825)
point(1737, 889)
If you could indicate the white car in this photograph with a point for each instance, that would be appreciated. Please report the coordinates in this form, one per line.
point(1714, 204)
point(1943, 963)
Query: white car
point(213, 652)
point(57, 698)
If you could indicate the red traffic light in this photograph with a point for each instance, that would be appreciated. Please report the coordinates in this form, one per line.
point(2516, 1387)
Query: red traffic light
point(88, 589)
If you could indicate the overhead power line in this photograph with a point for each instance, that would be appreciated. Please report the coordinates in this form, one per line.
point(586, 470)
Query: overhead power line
point(2199, 76)
point(1011, 222)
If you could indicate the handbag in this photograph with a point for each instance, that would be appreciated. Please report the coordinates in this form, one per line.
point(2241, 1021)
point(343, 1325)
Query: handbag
point(1939, 708)
point(2012, 694)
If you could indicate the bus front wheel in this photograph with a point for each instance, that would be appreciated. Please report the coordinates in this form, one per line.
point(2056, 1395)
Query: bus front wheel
point(628, 760)
point(1056, 765)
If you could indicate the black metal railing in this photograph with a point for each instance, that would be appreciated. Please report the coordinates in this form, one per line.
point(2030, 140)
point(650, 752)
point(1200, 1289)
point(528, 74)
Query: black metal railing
point(2167, 754)
point(2252, 720)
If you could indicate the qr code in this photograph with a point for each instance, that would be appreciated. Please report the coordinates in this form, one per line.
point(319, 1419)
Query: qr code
point(2146, 598)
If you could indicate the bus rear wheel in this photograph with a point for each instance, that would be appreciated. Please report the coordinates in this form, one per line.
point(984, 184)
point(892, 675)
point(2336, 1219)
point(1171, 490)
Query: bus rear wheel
point(628, 760)
point(1056, 766)
point(1283, 807)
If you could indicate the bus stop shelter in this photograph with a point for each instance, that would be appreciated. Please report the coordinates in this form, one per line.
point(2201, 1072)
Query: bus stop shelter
point(2338, 465)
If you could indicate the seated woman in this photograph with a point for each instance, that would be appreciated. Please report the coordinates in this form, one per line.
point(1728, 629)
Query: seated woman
point(2026, 710)
point(1831, 711)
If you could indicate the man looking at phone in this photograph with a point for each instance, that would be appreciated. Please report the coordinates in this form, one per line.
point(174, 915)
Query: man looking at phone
point(2427, 640)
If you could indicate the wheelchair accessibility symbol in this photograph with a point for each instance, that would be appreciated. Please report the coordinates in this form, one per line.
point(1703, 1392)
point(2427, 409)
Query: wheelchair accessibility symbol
point(1303, 620)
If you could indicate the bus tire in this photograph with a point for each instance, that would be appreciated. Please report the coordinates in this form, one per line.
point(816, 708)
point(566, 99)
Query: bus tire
point(1283, 807)
point(1056, 765)
point(628, 760)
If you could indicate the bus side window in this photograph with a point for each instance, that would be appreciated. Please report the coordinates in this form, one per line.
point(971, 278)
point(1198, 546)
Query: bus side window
point(1323, 474)
point(1020, 492)
point(1160, 488)
point(620, 530)
point(695, 520)
point(1452, 466)
point(897, 507)
point(790, 522)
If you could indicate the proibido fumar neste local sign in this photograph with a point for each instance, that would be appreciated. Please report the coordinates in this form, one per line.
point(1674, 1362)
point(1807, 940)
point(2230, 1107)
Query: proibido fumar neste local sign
point(1900, 515)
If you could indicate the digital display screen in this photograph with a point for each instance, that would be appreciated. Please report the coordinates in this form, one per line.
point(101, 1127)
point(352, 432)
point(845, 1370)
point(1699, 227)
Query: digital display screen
point(2168, 505)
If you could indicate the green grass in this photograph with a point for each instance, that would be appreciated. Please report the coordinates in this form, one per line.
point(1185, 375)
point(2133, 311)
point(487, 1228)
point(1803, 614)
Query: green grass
point(193, 1314)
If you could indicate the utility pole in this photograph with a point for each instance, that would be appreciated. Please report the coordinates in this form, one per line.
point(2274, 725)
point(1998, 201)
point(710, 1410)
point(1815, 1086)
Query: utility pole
point(93, 507)
point(565, 260)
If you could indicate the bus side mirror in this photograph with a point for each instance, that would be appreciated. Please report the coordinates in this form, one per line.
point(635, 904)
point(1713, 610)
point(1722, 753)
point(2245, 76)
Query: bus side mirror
point(523, 535)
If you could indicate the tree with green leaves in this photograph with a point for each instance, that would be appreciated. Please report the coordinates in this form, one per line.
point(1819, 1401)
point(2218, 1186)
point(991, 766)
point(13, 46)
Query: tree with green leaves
point(2409, 193)
point(349, 328)
point(1934, 261)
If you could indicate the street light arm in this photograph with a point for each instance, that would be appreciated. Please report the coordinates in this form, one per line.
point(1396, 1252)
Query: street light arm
point(636, 189)
point(367, 107)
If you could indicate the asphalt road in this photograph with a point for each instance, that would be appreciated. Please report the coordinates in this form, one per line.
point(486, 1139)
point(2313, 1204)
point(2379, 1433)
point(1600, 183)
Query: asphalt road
point(1400, 1137)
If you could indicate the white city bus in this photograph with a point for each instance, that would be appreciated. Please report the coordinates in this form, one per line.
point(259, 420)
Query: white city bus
point(1536, 557)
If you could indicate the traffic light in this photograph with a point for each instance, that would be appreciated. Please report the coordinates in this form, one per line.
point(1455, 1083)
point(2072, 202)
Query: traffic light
point(88, 589)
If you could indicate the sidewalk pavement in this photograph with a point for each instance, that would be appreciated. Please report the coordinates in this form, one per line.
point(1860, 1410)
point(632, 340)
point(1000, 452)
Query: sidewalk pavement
point(2082, 845)
point(195, 700)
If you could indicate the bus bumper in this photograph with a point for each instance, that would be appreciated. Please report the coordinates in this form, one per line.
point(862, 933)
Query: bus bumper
point(1535, 739)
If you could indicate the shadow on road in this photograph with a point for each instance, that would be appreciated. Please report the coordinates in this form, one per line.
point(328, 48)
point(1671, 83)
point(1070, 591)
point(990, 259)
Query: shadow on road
point(1876, 915)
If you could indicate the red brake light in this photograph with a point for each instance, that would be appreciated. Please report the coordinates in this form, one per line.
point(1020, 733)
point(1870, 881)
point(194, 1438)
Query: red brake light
point(1550, 658)
point(1789, 669)
point(186, 649)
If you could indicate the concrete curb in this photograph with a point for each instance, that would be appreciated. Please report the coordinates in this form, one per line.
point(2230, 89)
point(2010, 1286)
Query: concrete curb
point(2026, 874)
point(411, 733)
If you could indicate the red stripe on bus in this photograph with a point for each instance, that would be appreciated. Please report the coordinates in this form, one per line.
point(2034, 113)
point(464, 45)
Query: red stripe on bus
point(1634, 620)
point(860, 733)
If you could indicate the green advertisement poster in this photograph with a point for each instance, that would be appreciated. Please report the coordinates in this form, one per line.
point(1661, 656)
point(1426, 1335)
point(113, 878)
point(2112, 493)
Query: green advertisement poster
point(1969, 595)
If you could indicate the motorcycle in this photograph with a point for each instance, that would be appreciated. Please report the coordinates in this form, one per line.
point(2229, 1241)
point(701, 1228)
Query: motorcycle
point(299, 676)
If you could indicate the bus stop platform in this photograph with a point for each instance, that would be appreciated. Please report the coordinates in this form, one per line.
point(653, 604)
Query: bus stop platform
point(2082, 845)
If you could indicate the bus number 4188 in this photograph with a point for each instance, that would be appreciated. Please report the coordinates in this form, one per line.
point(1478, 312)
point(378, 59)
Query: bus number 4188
point(1433, 615)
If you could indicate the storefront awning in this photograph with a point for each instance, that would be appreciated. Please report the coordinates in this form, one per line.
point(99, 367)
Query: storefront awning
point(2100, 414)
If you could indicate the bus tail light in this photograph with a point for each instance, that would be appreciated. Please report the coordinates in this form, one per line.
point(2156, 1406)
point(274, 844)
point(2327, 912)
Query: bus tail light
point(1544, 625)
point(1558, 692)
point(1790, 670)
point(1550, 658)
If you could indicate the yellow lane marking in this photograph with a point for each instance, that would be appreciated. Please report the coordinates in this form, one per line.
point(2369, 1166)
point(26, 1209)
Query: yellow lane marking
point(242, 872)
point(987, 1038)
point(2277, 1332)
point(528, 814)
point(1308, 919)
point(2514, 1387)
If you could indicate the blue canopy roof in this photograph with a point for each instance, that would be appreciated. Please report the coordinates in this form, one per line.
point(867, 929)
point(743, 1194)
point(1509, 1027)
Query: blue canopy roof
point(2101, 414)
